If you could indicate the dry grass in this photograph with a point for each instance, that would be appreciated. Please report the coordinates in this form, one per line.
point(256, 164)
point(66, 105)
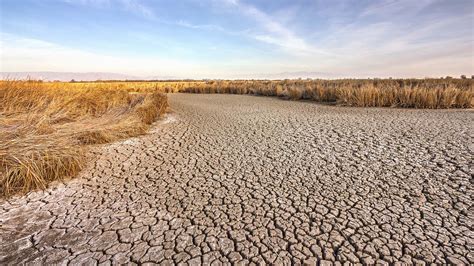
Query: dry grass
point(405, 93)
point(45, 127)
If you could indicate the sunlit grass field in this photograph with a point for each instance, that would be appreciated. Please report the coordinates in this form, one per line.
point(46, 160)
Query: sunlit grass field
point(402, 93)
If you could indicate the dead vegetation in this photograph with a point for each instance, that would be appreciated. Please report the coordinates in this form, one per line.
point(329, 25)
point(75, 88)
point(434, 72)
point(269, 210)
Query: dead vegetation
point(45, 128)
point(404, 93)
point(401, 93)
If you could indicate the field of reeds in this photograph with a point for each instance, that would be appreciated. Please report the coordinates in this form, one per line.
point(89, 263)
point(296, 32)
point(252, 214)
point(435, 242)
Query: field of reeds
point(402, 93)
point(46, 128)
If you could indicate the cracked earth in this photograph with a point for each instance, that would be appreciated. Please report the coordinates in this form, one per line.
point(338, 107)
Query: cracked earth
point(245, 179)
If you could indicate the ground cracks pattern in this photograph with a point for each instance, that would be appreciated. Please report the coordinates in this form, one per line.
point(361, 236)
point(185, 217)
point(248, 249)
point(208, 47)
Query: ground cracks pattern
point(243, 179)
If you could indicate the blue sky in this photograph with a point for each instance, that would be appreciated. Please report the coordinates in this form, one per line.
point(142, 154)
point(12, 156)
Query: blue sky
point(239, 38)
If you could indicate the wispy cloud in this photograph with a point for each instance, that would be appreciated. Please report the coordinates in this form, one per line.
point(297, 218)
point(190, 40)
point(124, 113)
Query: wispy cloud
point(397, 32)
point(134, 6)
point(273, 31)
point(89, 2)
point(95, 3)
point(186, 24)
point(394, 7)
point(403, 38)
point(139, 8)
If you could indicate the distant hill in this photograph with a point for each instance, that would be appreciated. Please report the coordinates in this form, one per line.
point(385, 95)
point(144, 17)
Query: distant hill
point(92, 76)
point(299, 74)
point(67, 76)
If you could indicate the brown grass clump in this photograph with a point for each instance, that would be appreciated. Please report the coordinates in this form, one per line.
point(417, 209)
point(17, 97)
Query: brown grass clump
point(45, 127)
point(295, 93)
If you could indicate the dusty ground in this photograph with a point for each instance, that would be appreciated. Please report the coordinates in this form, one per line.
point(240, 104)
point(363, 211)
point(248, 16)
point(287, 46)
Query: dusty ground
point(250, 179)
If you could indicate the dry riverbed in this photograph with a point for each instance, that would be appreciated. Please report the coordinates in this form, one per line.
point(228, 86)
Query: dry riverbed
point(229, 178)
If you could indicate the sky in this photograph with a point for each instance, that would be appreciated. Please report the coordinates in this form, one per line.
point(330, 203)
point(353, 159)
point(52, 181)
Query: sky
point(239, 38)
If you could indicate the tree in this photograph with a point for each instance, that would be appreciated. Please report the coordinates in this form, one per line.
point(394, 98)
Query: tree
point(463, 76)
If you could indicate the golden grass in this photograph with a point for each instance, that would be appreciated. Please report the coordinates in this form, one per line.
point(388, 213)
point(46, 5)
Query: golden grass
point(45, 127)
point(404, 93)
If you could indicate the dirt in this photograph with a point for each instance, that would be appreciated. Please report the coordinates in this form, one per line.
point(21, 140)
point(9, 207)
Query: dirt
point(245, 179)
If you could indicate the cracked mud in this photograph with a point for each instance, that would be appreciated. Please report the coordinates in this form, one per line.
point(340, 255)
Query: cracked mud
point(242, 179)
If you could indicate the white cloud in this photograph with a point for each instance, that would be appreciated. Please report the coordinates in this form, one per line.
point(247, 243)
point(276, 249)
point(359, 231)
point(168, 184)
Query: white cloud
point(186, 24)
point(24, 54)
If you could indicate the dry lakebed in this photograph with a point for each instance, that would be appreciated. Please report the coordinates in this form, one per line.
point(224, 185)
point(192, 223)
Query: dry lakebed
point(229, 179)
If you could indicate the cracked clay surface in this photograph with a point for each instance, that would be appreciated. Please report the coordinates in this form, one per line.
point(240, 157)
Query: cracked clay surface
point(245, 179)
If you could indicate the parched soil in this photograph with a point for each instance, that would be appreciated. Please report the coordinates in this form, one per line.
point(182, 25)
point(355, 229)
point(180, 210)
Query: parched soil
point(229, 178)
